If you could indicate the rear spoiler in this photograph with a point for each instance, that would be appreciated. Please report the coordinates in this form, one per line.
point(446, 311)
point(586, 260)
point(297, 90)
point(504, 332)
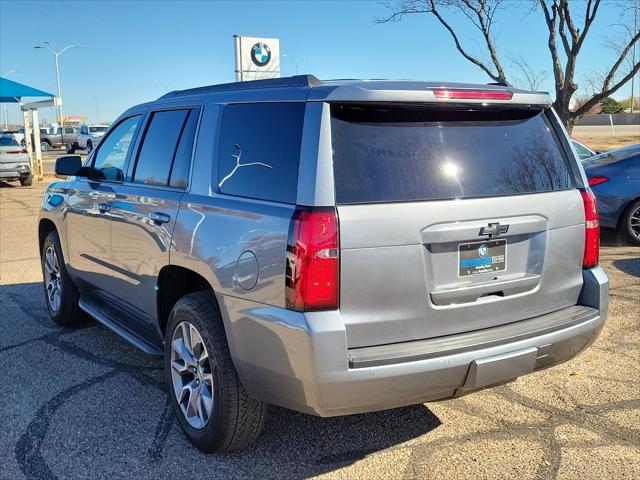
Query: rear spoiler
point(440, 95)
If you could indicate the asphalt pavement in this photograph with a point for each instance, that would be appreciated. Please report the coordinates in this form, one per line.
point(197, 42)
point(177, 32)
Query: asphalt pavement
point(83, 403)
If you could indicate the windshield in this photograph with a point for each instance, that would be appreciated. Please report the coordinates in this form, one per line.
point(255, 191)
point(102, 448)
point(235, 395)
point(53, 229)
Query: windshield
point(391, 153)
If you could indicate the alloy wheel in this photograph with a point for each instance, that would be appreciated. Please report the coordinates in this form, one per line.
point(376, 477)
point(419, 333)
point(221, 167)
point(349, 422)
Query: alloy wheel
point(634, 223)
point(52, 278)
point(191, 375)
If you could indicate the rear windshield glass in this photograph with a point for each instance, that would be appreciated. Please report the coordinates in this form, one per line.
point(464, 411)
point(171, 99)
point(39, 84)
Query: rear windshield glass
point(8, 142)
point(396, 154)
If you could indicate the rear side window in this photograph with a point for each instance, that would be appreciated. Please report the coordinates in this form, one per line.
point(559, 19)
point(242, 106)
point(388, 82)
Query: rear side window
point(179, 177)
point(395, 154)
point(260, 150)
point(163, 145)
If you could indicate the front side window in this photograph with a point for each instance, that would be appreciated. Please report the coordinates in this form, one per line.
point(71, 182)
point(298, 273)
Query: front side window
point(112, 151)
point(259, 152)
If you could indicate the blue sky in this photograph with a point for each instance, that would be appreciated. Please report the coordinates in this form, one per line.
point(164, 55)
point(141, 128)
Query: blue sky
point(129, 45)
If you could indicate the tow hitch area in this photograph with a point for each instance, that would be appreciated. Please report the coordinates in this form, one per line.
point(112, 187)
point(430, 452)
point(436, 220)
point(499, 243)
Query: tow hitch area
point(498, 369)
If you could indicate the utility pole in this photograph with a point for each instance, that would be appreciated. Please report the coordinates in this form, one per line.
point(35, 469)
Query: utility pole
point(96, 98)
point(49, 46)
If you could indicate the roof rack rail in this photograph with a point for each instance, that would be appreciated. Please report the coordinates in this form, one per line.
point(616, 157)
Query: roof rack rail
point(294, 81)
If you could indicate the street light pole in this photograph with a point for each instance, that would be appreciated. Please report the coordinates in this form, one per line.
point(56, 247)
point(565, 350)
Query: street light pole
point(49, 46)
point(4, 107)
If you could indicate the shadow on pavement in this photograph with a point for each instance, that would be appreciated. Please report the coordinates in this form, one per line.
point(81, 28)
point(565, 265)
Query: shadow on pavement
point(630, 266)
point(99, 364)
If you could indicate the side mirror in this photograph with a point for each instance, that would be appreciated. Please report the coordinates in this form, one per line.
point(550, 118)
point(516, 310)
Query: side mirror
point(68, 165)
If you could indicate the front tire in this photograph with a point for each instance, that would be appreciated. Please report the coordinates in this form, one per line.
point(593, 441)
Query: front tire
point(44, 146)
point(61, 295)
point(212, 406)
point(630, 224)
point(89, 146)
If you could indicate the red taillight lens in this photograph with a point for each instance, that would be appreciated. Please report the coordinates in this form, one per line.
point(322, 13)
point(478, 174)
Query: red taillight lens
point(17, 151)
point(592, 230)
point(313, 260)
point(474, 94)
point(596, 180)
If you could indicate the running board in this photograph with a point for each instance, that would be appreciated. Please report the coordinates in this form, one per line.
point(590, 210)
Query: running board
point(109, 319)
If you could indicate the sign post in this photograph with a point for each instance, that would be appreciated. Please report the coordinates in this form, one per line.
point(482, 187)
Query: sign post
point(256, 58)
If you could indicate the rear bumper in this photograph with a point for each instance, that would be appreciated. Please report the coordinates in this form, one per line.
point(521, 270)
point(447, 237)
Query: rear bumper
point(301, 361)
point(14, 171)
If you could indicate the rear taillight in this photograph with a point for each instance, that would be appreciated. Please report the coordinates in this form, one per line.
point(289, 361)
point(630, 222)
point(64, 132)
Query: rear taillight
point(313, 260)
point(15, 152)
point(592, 229)
point(474, 94)
point(597, 180)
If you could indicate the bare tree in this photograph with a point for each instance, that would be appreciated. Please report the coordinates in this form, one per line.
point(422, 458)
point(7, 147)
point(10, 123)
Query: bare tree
point(567, 31)
point(528, 77)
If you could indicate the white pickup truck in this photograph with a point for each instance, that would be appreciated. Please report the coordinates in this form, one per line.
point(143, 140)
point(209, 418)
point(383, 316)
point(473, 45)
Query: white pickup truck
point(89, 136)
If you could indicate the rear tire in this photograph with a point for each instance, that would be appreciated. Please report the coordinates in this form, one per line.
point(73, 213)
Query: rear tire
point(630, 223)
point(235, 420)
point(89, 146)
point(44, 146)
point(70, 148)
point(63, 308)
point(27, 181)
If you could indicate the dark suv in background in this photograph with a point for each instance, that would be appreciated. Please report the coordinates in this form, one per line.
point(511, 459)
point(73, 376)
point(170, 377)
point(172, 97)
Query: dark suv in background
point(332, 247)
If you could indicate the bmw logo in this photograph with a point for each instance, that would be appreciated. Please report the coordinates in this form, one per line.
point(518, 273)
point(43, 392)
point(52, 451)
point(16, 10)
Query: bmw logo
point(483, 250)
point(260, 54)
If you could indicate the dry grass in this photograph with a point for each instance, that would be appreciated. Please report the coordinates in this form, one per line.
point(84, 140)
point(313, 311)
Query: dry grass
point(603, 143)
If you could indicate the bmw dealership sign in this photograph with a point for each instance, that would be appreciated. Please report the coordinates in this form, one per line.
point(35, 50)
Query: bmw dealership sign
point(256, 58)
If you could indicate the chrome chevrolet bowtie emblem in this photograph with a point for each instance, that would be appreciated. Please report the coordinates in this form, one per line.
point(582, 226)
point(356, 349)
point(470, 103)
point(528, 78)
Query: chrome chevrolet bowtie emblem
point(494, 229)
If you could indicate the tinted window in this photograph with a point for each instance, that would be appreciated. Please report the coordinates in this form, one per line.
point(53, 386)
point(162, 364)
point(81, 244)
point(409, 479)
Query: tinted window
point(390, 154)
point(98, 129)
point(159, 147)
point(69, 130)
point(260, 150)
point(182, 161)
point(8, 142)
point(112, 151)
point(83, 130)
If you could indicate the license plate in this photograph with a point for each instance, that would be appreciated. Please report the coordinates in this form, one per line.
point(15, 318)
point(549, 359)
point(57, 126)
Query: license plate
point(482, 257)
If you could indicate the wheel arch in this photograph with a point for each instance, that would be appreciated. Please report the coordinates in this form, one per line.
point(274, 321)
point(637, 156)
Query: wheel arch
point(45, 227)
point(623, 211)
point(174, 282)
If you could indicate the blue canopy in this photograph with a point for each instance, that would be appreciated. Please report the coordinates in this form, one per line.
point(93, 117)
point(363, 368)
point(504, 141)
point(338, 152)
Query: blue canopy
point(12, 92)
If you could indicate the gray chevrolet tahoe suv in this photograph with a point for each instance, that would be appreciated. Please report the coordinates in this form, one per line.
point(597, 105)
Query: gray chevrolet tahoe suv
point(332, 247)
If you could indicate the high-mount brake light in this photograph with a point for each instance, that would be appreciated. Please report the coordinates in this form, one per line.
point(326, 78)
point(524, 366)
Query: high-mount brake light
point(474, 94)
point(592, 229)
point(313, 260)
point(597, 180)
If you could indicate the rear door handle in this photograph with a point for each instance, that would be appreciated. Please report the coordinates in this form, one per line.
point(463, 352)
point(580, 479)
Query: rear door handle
point(104, 207)
point(159, 217)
